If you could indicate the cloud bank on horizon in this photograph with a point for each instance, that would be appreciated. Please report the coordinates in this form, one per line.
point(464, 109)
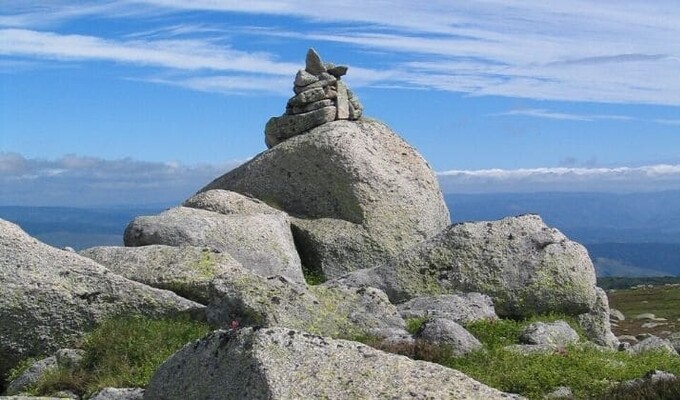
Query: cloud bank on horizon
point(86, 181)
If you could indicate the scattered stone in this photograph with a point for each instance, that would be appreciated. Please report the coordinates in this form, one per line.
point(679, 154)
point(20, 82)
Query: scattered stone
point(596, 323)
point(281, 363)
point(526, 267)
point(446, 332)
point(645, 316)
point(562, 392)
point(320, 97)
point(360, 194)
point(31, 375)
point(616, 315)
point(653, 343)
point(460, 308)
point(674, 338)
point(260, 242)
point(652, 325)
point(556, 334)
point(119, 394)
point(627, 338)
point(50, 298)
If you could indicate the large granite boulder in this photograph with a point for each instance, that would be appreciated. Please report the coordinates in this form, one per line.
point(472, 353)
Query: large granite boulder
point(558, 334)
point(185, 270)
point(281, 363)
point(526, 267)
point(49, 298)
point(261, 242)
point(448, 333)
point(360, 194)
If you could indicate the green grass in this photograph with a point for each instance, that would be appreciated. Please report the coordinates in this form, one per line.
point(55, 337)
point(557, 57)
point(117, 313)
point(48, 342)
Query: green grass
point(589, 372)
point(123, 352)
point(663, 301)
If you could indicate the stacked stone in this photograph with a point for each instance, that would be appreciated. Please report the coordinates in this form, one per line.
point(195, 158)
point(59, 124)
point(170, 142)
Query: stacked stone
point(320, 97)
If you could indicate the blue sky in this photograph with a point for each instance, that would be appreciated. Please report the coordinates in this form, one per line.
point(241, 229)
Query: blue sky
point(143, 101)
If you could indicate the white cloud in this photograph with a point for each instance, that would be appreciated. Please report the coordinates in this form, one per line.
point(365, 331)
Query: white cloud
point(620, 179)
point(87, 181)
point(542, 113)
point(621, 52)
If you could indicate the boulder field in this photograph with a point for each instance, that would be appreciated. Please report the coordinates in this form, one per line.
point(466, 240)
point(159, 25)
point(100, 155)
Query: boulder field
point(342, 200)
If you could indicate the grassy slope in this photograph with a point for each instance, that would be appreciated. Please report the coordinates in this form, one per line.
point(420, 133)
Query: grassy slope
point(662, 300)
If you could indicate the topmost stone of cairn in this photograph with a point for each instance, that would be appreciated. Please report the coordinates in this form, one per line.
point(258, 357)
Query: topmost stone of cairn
point(320, 97)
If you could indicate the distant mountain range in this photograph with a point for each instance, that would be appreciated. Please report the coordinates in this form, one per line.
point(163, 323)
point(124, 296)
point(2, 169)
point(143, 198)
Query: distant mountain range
point(626, 234)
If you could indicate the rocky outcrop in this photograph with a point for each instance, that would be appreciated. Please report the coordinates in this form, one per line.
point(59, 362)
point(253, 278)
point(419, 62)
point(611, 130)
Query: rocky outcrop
point(119, 394)
point(281, 363)
point(262, 243)
point(460, 308)
point(185, 270)
point(359, 193)
point(49, 298)
point(653, 343)
point(526, 267)
point(229, 203)
point(320, 97)
point(66, 359)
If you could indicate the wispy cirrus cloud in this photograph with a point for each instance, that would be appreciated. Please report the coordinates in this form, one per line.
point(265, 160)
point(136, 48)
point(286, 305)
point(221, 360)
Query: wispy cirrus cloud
point(547, 114)
point(620, 52)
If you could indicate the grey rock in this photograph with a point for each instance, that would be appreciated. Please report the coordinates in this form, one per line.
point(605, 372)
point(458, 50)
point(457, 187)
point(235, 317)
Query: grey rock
point(644, 316)
point(653, 343)
point(69, 359)
point(526, 267)
point(50, 298)
point(446, 332)
point(308, 96)
point(313, 63)
point(627, 338)
point(529, 349)
point(562, 392)
point(309, 107)
point(285, 127)
point(659, 376)
point(31, 375)
point(460, 308)
point(616, 315)
point(558, 334)
point(228, 203)
point(358, 173)
point(324, 81)
point(304, 78)
point(674, 338)
point(185, 270)
point(337, 71)
point(596, 323)
point(260, 242)
point(280, 363)
point(329, 309)
point(342, 101)
point(119, 394)
point(652, 325)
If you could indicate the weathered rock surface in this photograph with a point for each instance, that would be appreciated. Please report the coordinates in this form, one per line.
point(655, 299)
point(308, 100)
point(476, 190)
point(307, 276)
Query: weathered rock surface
point(49, 298)
point(229, 203)
point(185, 270)
point(558, 334)
point(31, 375)
point(653, 343)
point(260, 242)
point(616, 315)
point(526, 267)
point(119, 394)
point(596, 324)
point(674, 338)
point(280, 363)
point(448, 333)
point(330, 310)
point(460, 308)
point(320, 97)
point(363, 193)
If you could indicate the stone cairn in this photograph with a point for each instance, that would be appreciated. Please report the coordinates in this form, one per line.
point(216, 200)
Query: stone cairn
point(320, 97)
